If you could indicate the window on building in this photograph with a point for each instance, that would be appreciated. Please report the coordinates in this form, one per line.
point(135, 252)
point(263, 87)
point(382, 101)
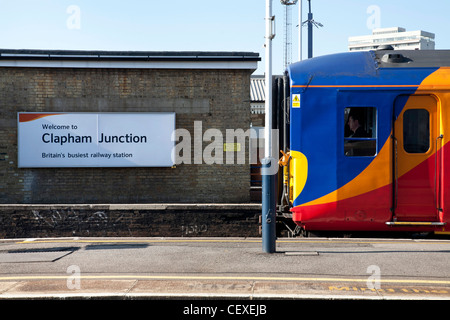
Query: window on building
point(416, 131)
point(360, 133)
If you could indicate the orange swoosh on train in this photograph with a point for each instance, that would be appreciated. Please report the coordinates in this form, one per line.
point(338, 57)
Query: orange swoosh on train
point(378, 174)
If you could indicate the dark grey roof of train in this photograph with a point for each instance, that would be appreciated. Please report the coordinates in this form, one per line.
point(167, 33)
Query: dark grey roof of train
point(412, 58)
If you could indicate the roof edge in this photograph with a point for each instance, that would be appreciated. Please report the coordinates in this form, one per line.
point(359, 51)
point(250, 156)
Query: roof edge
point(31, 58)
point(37, 54)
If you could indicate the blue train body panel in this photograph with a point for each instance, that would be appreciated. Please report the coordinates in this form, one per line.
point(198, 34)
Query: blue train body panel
point(326, 86)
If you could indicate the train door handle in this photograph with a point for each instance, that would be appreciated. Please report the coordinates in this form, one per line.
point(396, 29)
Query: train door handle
point(437, 171)
point(394, 204)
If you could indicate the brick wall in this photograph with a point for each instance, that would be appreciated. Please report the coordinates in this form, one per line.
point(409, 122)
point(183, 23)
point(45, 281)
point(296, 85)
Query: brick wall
point(31, 221)
point(217, 98)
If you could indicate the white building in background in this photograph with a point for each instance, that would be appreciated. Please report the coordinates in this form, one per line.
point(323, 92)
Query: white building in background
point(397, 37)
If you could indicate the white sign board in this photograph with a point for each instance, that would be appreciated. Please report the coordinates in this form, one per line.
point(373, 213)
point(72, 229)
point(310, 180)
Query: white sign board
point(95, 139)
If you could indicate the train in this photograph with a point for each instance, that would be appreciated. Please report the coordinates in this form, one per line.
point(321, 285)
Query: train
point(364, 142)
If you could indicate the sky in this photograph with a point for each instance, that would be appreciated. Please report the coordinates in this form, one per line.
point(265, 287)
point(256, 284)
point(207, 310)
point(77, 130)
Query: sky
point(201, 25)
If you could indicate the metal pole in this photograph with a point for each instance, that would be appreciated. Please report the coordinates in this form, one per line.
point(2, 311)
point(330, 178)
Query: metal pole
point(300, 57)
point(268, 184)
point(268, 80)
point(310, 32)
point(310, 37)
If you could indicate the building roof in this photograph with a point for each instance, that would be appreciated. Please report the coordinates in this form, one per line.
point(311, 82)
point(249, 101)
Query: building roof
point(257, 86)
point(128, 59)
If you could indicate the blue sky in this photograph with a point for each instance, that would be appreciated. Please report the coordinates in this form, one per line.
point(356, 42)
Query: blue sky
point(181, 25)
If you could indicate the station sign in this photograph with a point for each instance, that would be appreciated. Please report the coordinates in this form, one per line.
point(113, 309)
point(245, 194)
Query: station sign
point(52, 140)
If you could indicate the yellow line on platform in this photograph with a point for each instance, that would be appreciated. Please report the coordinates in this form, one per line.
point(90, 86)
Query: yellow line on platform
point(230, 278)
point(225, 241)
point(135, 240)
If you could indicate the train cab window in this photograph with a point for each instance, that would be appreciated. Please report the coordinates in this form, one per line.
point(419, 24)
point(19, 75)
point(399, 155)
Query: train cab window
point(416, 131)
point(360, 133)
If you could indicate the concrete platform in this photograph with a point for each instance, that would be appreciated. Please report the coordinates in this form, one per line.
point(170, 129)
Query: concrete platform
point(224, 268)
point(223, 278)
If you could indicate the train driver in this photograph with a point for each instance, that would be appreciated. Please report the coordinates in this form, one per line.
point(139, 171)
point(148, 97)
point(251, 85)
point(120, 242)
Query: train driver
point(355, 123)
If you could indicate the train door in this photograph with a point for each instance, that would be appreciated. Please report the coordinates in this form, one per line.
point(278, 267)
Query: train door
point(417, 169)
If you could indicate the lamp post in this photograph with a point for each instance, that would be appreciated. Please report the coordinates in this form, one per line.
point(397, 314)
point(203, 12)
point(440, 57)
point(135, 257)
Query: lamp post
point(311, 23)
point(300, 30)
point(268, 213)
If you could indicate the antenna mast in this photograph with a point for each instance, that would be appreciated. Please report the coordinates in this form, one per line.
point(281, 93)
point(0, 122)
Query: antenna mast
point(310, 22)
point(287, 48)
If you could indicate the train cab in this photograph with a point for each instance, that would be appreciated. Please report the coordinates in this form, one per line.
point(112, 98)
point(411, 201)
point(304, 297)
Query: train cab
point(367, 145)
